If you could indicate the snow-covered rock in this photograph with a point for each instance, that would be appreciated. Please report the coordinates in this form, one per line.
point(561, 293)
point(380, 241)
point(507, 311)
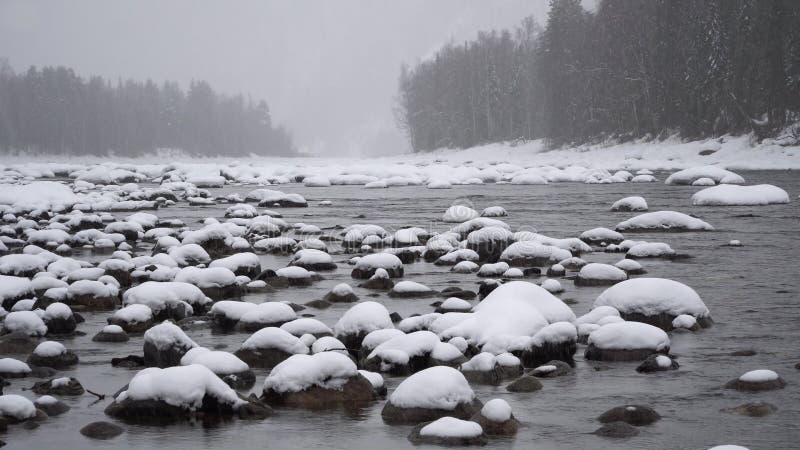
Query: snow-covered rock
point(634, 203)
point(597, 274)
point(430, 394)
point(626, 341)
point(361, 320)
point(663, 221)
point(718, 174)
point(269, 346)
point(733, 195)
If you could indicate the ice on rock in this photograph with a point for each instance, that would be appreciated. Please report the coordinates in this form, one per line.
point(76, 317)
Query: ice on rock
point(650, 250)
point(733, 195)
point(663, 221)
point(596, 314)
point(328, 344)
point(438, 184)
point(135, 313)
point(57, 310)
point(275, 338)
point(459, 213)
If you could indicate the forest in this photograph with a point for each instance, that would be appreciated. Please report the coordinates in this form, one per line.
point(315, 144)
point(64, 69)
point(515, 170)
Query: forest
point(628, 69)
point(53, 110)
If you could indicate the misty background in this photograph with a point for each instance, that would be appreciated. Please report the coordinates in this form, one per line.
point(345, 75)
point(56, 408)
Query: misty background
point(328, 70)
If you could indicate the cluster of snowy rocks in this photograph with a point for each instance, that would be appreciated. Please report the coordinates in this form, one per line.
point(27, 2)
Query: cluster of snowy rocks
point(157, 280)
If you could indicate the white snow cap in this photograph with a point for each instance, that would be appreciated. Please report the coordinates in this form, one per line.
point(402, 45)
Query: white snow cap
point(167, 334)
point(450, 427)
point(277, 338)
point(15, 366)
point(329, 370)
point(27, 322)
point(759, 376)
point(629, 336)
point(49, 349)
point(438, 387)
point(16, 406)
point(364, 317)
point(733, 195)
point(181, 386)
point(459, 213)
point(653, 296)
point(496, 410)
point(221, 363)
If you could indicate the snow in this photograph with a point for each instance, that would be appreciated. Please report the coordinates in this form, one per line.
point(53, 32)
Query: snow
point(16, 406)
point(629, 336)
point(377, 337)
point(263, 313)
point(733, 195)
point(598, 271)
point(409, 287)
point(459, 213)
point(496, 410)
point(134, 313)
point(329, 370)
point(275, 338)
point(704, 182)
point(493, 270)
point(46, 195)
point(166, 335)
point(364, 317)
point(19, 264)
point(23, 305)
point(653, 296)
point(49, 349)
point(27, 322)
point(209, 277)
point(534, 250)
point(719, 175)
point(327, 344)
point(482, 362)
point(11, 365)
point(628, 265)
point(57, 310)
point(221, 363)
point(14, 287)
point(400, 348)
point(664, 220)
point(342, 289)
point(517, 308)
point(438, 387)
point(181, 386)
point(310, 256)
point(455, 303)
point(385, 261)
point(306, 325)
point(684, 321)
point(113, 329)
point(759, 376)
point(552, 286)
point(375, 379)
point(597, 313)
point(159, 295)
point(601, 234)
point(465, 267)
point(236, 261)
point(650, 250)
point(444, 351)
point(450, 427)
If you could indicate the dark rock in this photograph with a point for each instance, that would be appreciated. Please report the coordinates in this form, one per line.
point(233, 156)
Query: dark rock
point(617, 430)
point(485, 287)
point(396, 317)
point(458, 293)
point(651, 364)
point(319, 304)
point(552, 369)
point(17, 343)
point(42, 372)
point(58, 386)
point(382, 284)
point(60, 325)
point(525, 383)
point(53, 409)
point(102, 336)
point(537, 355)
point(101, 430)
point(164, 357)
point(416, 438)
point(89, 302)
point(556, 272)
point(598, 354)
point(128, 362)
point(332, 297)
point(756, 409)
point(490, 377)
point(365, 274)
point(748, 352)
point(663, 320)
point(265, 358)
point(242, 380)
point(631, 414)
point(395, 415)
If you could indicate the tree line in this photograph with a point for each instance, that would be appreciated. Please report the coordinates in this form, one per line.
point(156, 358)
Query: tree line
point(629, 69)
point(53, 110)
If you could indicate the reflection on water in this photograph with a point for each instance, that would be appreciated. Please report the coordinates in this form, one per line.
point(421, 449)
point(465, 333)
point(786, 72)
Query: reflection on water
point(752, 292)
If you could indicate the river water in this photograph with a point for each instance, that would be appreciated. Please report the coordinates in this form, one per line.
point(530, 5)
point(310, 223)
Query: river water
point(752, 292)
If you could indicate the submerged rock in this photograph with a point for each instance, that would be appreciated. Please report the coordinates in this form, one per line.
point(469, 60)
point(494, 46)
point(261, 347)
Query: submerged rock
point(617, 429)
point(657, 363)
point(496, 418)
point(525, 383)
point(755, 409)
point(631, 414)
point(101, 430)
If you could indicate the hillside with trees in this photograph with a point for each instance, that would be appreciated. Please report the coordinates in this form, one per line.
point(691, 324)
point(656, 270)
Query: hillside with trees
point(53, 110)
point(630, 69)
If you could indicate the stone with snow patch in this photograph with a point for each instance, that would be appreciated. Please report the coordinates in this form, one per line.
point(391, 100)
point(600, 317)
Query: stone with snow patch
point(459, 213)
point(411, 289)
point(636, 415)
point(431, 394)
point(341, 293)
point(496, 418)
point(359, 321)
point(163, 396)
point(717, 174)
point(454, 304)
point(307, 325)
point(657, 363)
point(111, 333)
point(24, 322)
point(51, 405)
point(321, 380)
point(367, 265)
point(626, 341)
point(601, 236)
point(165, 344)
point(312, 259)
point(630, 267)
point(494, 211)
point(268, 347)
point(448, 431)
point(135, 318)
point(52, 354)
point(531, 253)
point(16, 408)
point(657, 301)
point(663, 221)
point(59, 319)
point(58, 386)
point(597, 274)
point(733, 195)
point(757, 380)
point(169, 299)
point(232, 370)
point(634, 203)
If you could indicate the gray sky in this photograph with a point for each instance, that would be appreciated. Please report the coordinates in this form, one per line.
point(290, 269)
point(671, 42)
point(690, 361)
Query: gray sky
point(328, 69)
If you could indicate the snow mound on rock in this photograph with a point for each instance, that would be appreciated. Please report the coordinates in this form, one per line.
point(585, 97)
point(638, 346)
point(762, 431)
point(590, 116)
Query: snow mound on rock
point(438, 387)
point(733, 195)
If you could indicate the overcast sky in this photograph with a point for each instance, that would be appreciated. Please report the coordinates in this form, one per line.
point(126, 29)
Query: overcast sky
point(327, 68)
